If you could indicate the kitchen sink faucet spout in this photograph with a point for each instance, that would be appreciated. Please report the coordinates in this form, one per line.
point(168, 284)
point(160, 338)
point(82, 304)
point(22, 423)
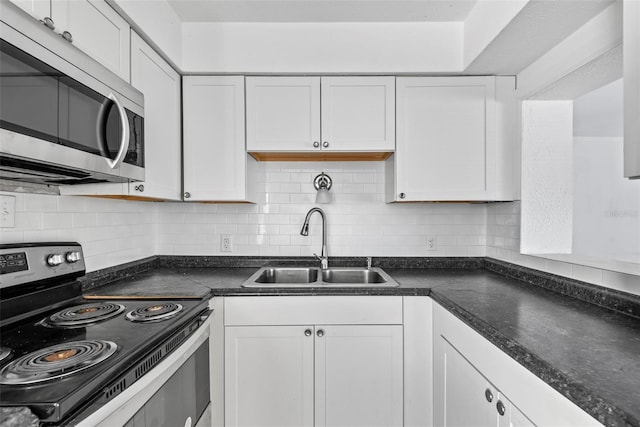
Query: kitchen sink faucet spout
point(324, 259)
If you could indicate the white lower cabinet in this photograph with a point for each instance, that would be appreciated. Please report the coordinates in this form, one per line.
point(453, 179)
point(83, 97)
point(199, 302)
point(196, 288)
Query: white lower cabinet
point(470, 399)
point(313, 375)
point(476, 384)
point(314, 361)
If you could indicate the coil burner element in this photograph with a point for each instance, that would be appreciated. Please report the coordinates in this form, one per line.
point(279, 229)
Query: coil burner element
point(4, 353)
point(85, 314)
point(56, 361)
point(154, 313)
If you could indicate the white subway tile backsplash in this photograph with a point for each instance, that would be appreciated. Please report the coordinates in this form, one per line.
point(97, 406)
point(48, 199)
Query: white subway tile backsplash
point(111, 231)
point(359, 223)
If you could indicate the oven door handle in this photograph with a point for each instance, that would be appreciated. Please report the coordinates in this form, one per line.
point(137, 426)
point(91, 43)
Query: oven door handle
point(102, 131)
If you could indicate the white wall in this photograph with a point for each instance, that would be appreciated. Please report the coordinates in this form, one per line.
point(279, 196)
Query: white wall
point(606, 219)
point(322, 47)
point(503, 243)
point(111, 232)
point(359, 222)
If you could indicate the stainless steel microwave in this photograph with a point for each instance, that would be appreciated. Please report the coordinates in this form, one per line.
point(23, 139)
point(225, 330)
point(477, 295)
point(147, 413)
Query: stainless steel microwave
point(64, 118)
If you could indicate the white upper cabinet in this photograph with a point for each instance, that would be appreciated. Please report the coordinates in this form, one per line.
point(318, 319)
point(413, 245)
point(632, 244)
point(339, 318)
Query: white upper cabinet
point(94, 26)
point(358, 113)
point(216, 164)
point(297, 114)
point(454, 140)
point(160, 84)
point(283, 113)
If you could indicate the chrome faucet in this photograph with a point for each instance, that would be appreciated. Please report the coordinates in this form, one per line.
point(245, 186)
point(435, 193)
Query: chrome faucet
point(324, 259)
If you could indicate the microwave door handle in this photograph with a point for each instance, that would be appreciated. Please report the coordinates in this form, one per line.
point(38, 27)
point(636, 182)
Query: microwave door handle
point(124, 139)
point(101, 127)
point(102, 131)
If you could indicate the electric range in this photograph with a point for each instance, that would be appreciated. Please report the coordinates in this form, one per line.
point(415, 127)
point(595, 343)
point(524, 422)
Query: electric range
point(63, 356)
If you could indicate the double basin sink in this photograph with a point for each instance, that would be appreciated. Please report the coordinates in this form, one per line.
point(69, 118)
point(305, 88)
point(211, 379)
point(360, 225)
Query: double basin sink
point(295, 277)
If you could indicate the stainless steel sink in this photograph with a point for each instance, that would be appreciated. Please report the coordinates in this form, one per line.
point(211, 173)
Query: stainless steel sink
point(292, 277)
point(353, 276)
point(284, 276)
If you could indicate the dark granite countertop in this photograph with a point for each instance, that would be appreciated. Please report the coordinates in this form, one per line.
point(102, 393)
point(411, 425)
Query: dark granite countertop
point(589, 353)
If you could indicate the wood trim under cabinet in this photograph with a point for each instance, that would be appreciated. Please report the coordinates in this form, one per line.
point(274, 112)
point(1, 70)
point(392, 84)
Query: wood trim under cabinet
point(320, 156)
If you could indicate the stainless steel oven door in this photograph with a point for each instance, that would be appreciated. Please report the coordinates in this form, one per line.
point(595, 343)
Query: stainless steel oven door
point(182, 377)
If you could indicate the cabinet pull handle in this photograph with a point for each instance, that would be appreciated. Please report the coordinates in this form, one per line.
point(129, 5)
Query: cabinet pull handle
point(48, 22)
point(316, 144)
point(501, 408)
point(403, 195)
point(139, 188)
point(320, 332)
point(325, 144)
point(488, 395)
point(307, 332)
point(67, 36)
point(187, 195)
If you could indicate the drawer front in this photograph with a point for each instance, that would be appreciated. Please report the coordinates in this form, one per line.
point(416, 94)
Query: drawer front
point(326, 310)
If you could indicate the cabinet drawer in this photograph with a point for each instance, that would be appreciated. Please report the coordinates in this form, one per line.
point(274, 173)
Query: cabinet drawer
point(314, 310)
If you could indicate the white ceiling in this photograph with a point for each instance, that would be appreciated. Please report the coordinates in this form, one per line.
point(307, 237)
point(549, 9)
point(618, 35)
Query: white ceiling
point(322, 10)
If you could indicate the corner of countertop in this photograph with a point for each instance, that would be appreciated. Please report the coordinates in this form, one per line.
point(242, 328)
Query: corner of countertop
point(98, 278)
point(612, 299)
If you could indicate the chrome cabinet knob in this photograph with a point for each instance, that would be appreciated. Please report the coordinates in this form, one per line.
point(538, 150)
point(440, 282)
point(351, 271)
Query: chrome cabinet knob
point(403, 195)
point(501, 408)
point(188, 422)
point(320, 332)
point(139, 188)
point(67, 36)
point(307, 332)
point(48, 22)
point(316, 144)
point(325, 144)
point(187, 195)
point(488, 395)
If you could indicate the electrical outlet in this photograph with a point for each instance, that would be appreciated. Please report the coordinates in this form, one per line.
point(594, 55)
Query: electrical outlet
point(7, 211)
point(432, 243)
point(225, 243)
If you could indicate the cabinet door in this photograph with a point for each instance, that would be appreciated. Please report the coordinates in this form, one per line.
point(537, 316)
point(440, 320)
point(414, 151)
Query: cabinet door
point(358, 375)
point(39, 9)
point(358, 113)
point(445, 148)
point(283, 113)
point(512, 417)
point(462, 390)
point(215, 159)
point(160, 85)
point(269, 376)
point(97, 30)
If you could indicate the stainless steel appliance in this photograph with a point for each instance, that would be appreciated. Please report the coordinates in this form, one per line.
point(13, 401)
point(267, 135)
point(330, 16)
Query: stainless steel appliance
point(64, 118)
point(67, 358)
